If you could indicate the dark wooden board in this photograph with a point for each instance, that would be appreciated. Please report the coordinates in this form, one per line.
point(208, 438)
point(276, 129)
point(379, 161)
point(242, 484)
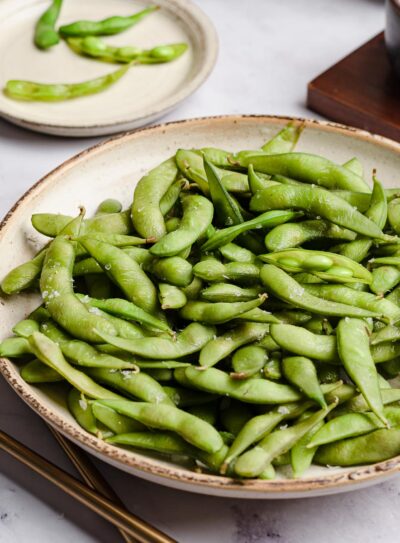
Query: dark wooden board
point(360, 90)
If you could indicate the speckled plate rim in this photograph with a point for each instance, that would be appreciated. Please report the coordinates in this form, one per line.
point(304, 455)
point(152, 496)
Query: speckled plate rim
point(188, 12)
point(150, 468)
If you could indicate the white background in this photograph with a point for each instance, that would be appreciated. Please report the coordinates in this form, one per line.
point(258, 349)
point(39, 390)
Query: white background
point(269, 50)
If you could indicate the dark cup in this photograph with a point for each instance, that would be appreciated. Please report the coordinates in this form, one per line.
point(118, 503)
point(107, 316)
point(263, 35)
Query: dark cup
point(392, 33)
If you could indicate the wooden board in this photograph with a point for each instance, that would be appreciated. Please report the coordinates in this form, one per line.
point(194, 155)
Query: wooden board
point(361, 90)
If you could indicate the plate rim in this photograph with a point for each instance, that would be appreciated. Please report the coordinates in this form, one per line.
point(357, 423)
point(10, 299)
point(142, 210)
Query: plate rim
point(149, 467)
point(209, 58)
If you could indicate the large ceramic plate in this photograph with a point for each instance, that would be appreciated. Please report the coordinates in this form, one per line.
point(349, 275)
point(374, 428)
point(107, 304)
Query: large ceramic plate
point(143, 95)
point(113, 168)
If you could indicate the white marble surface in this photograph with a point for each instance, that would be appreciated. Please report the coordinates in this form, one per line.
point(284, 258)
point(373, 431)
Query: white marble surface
point(269, 51)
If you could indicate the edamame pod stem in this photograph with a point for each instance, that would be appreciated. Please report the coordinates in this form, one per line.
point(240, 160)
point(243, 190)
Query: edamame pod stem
point(137, 384)
point(58, 295)
point(284, 287)
point(354, 351)
point(352, 425)
point(220, 347)
point(254, 461)
point(126, 310)
point(50, 353)
point(305, 167)
point(197, 216)
point(189, 341)
point(105, 27)
point(257, 391)
point(301, 372)
point(146, 214)
point(52, 224)
point(363, 300)
point(289, 235)
point(125, 272)
point(374, 447)
point(32, 91)
point(218, 312)
point(285, 140)
point(319, 202)
point(45, 33)
point(268, 219)
point(166, 417)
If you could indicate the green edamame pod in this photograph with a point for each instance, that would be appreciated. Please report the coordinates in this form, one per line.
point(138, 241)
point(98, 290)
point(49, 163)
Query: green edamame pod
point(125, 272)
point(174, 270)
point(354, 351)
point(285, 140)
point(60, 300)
point(374, 447)
point(218, 312)
point(248, 361)
point(137, 384)
point(226, 292)
point(352, 425)
point(167, 417)
point(197, 216)
point(171, 297)
point(33, 91)
point(105, 27)
point(363, 300)
point(319, 202)
point(146, 214)
point(25, 328)
point(268, 219)
point(258, 391)
point(384, 279)
point(50, 353)
point(126, 310)
point(301, 372)
point(14, 347)
point(290, 235)
point(109, 205)
point(254, 461)
point(24, 275)
point(117, 423)
point(81, 410)
point(304, 167)
point(36, 372)
point(284, 287)
point(301, 455)
point(189, 341)
point(45, 33)
point(377, 212)
point(321, 263)
point(220, 347)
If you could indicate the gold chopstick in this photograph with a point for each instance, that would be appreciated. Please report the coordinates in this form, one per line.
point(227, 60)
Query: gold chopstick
point(89, 473)
point(115, 514)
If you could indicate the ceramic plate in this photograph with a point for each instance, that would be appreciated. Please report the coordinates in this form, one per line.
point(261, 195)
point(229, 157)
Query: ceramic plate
point(143, 95)
point(113, 168)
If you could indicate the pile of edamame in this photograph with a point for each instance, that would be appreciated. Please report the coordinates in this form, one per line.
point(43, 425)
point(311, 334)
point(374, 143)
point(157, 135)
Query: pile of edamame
point(84, 38)
point(242, 314)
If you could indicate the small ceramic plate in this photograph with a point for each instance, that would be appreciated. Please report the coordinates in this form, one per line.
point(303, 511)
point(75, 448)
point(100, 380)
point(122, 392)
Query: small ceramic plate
point(112, 169)
point(143, 95)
